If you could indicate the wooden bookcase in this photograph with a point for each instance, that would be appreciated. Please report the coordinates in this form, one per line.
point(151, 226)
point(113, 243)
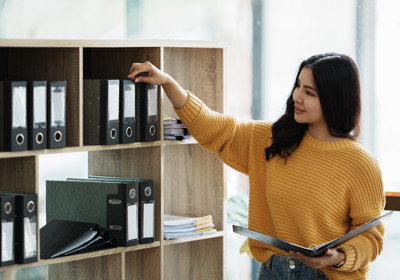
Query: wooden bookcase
point(189, 180)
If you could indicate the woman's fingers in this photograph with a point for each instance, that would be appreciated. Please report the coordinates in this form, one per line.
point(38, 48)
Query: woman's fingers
point(138, 68)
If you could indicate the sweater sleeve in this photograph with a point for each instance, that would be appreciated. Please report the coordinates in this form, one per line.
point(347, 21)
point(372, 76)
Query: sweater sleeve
point(217, 132)
point(367, 199)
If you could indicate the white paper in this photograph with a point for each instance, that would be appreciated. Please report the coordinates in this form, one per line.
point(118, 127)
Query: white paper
point(7, 241)
point(132, 222)
point(39, 110)
point(113, 101)
point(58, 106)
point(152, 101)
point(129, 102)
point(148, 220)
point(19, 107)
point(30, 227)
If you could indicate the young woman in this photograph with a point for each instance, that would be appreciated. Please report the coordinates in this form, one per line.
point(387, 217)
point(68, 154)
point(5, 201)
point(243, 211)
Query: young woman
point(311, 181)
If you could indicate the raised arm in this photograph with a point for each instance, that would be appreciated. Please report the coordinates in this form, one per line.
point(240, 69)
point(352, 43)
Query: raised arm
point(148, 73)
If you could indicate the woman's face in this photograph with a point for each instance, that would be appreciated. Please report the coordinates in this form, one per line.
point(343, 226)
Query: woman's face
point(306, 101)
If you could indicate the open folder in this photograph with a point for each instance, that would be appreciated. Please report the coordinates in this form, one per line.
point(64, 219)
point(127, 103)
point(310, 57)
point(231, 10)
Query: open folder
point(311, 252)
point(62, 238)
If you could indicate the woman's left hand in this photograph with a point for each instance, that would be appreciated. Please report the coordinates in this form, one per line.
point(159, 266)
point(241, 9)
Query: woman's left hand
point(331, 257)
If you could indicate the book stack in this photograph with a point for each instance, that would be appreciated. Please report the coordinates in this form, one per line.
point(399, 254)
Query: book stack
point(174, 129)
point(181, 227)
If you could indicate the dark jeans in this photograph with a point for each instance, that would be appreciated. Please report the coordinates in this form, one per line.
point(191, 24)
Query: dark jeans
point(285, 268)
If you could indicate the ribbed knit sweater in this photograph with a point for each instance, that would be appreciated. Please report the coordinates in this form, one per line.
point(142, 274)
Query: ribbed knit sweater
point(324, 190)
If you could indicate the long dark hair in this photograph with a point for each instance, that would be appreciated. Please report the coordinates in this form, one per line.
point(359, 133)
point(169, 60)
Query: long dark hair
point(338, 84)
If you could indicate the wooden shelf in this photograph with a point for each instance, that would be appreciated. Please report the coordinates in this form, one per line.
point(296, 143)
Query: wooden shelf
point(84, 256)
point(189, 181)
point(218, 234)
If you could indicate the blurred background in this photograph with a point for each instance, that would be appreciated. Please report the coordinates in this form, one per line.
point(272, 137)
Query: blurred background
point(266, 41)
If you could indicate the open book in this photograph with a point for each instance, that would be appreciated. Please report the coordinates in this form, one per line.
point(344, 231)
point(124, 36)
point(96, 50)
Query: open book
point(312, 252)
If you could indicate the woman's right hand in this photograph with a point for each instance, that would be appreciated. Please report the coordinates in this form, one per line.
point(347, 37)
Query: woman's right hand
point(148, 73)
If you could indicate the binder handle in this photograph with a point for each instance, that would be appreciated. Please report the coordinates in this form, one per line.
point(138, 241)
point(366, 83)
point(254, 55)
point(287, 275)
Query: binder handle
point(152, 130)
point(7, 207)
point(30, 206)
point(19, 139)
point(129, 131)
point(113, 133)
point(57, 136)
point(39, 138)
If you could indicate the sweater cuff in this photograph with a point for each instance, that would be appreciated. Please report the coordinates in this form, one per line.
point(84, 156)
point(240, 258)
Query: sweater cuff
point(351, 256)
point(191, 110)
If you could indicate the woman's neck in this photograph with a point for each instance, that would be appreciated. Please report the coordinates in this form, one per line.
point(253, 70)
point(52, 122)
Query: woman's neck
point(321, 133)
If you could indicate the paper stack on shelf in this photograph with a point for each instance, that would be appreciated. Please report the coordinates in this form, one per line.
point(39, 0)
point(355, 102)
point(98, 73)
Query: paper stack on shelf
point(180, 227)
point(174, 129)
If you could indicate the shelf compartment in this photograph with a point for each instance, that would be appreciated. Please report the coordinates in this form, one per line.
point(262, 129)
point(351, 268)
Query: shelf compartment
point(115, 63)
point(194, 260)
point(48, 64)
point(199, 70)
point(143, 264)
point(143, 163)
point(197, 183)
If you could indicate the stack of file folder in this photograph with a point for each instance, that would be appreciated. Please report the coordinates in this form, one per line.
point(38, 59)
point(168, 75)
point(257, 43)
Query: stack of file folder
point(181, 227)
point(174, 129)
point(125, 206)
point(32, 115)
point(119, 112)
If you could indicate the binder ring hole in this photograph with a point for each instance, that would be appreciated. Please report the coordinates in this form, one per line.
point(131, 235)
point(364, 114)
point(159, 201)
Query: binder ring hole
point(7, 207)
point(113, 133)
point(20, 139)
point(147, 191)
point(39, 138)
point(152, 130)
point(30, 206)
point(129, 132)
point(57, 136)
point(132, 193)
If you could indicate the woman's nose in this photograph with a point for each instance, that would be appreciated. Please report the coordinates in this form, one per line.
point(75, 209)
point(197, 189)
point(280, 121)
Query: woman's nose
point(297, 95)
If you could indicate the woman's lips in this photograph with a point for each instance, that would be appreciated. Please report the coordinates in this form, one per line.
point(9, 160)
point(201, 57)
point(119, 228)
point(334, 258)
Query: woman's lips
point(298, 111)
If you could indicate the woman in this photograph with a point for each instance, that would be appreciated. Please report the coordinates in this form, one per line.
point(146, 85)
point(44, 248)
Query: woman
point(310, 180)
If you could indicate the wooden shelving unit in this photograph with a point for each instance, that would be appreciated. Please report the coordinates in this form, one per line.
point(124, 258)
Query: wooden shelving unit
point(189, 180)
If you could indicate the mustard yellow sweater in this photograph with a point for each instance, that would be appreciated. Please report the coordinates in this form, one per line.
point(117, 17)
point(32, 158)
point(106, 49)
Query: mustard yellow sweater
point(324, 190)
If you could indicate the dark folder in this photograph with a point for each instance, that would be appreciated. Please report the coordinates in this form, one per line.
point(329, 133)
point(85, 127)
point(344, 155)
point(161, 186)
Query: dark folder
point(146, 193)
point(7, 227)
point(13, 117)
point(56, 114)
point(26, 228)
point(311, 252)
point(127, 111)
point(61, 238)
point(112, 205)
point(101, 112)
point(37, 115)
point(147, 127)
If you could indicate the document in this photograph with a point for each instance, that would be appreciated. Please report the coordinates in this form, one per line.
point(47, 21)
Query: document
point(312, 252)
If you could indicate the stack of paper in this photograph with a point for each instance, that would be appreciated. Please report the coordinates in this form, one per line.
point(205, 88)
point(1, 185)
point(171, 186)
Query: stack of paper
point(180, 227)
point(174, 129)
